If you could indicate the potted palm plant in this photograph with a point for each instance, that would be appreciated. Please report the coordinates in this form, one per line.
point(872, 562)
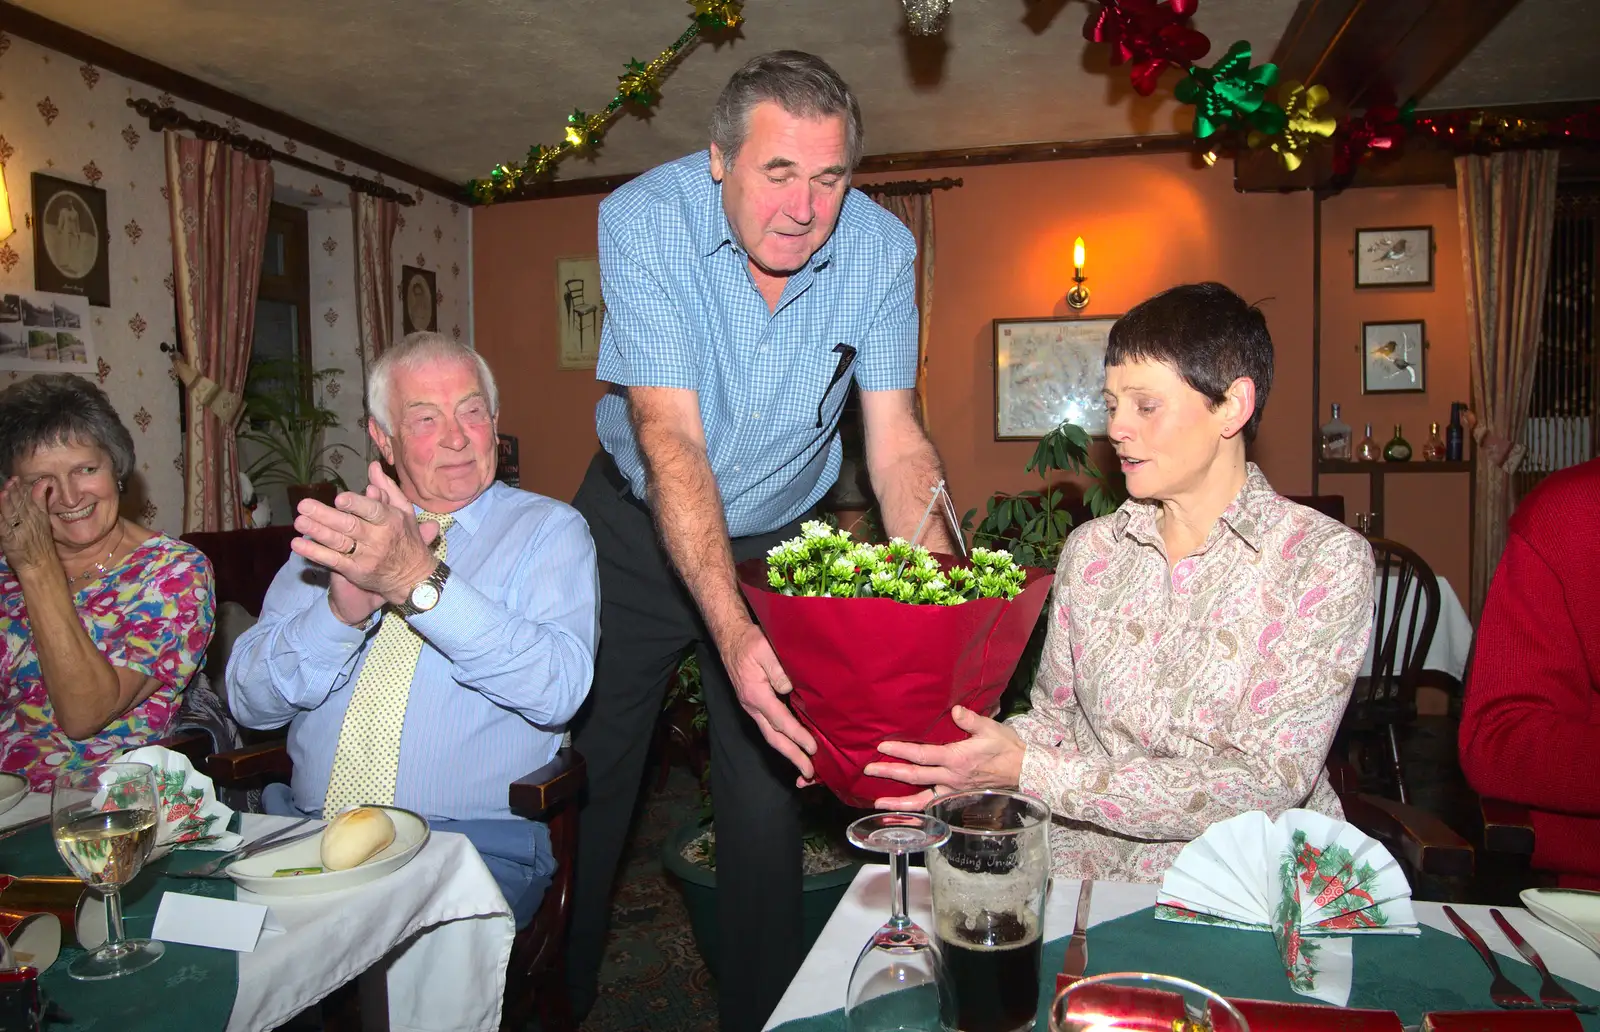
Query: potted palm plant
point(287, 422)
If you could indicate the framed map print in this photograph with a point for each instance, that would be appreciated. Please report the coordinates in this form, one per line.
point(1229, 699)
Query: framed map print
point(1048, 372)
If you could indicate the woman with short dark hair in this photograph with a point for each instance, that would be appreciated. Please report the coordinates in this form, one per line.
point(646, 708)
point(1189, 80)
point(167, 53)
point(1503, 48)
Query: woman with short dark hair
point(1203, 639)
point(102, 622)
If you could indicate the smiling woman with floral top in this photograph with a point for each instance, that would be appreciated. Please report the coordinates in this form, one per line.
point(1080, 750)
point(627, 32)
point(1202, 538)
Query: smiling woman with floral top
point(102, 622)
point(1203, 638)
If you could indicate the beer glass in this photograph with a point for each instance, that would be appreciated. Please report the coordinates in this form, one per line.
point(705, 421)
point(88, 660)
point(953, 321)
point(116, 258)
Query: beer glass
point(1136, 1002)
point(989, 882)
point(898, 983)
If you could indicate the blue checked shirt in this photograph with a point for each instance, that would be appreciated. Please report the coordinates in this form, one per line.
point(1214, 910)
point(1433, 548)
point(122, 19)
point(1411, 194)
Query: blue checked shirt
point(507, 657)
point(682, 310)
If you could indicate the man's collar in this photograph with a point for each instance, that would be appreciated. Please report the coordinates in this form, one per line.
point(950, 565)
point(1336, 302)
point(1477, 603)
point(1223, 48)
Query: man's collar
point(1247, 515)
point(471, 515)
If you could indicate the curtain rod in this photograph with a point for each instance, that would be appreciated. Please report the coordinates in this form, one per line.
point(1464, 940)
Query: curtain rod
point(163, 118)
point(909, 186)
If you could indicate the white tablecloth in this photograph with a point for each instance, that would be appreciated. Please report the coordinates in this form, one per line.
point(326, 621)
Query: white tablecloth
point(1452, 638)
point(441, 914)
point(820, 985)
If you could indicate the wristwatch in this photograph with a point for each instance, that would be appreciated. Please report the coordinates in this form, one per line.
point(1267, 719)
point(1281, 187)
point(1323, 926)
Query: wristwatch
point(426, 594)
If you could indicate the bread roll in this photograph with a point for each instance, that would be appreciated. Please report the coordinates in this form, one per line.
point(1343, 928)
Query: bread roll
point(355, 836)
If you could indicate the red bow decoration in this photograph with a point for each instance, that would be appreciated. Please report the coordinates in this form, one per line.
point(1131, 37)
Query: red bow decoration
point(1381, 127)
point(1150, 33)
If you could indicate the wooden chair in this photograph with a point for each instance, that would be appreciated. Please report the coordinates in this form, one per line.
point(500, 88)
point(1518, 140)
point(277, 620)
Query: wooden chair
point(1421, 841)
point(1405, 613)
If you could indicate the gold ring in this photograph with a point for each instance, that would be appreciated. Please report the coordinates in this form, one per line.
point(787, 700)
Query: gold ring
point(352, 549)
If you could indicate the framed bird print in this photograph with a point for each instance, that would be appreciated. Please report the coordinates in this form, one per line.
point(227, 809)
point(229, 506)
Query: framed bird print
point(1393, 358)
point(1394, 257)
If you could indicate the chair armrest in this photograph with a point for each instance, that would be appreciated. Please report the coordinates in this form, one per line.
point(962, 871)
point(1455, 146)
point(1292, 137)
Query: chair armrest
point(237, 766)
point(1507, 826)
point(559, 781)
point(1429, 845)
point(193, 744)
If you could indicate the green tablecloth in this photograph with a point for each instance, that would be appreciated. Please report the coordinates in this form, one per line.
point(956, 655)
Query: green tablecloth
point(1407, 974)
point(189, 988)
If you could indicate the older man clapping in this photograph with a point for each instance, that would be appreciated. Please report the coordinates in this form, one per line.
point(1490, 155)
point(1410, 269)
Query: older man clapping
point(429, 638)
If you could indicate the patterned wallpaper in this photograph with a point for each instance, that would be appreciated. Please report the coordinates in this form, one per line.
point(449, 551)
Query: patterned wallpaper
point(69, 119)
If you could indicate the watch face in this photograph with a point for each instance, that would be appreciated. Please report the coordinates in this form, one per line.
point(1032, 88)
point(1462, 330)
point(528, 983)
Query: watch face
point(424, 596)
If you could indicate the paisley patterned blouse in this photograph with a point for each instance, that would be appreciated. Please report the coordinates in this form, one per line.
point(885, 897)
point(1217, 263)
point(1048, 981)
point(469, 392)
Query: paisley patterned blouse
point(1166, 703)
point(151, 613)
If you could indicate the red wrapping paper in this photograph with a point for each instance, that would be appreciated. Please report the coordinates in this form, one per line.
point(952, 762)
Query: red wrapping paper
point(868, 670)
point(1501, 1021)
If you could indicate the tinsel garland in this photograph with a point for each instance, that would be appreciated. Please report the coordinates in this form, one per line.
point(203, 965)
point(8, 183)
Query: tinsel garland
point(638, 85)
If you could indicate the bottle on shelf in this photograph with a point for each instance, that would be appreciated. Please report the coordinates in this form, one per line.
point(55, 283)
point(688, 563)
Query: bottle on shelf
point(1433, 451)
point(1454, 434)
point(1398, 449)
point(1368, 449)
point(1336, 434)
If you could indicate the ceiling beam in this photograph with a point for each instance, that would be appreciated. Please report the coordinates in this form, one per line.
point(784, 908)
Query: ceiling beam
point(80, 45)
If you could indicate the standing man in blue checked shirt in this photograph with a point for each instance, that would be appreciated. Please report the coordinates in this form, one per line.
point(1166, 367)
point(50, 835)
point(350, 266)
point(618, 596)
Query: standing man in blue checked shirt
point(744, 288)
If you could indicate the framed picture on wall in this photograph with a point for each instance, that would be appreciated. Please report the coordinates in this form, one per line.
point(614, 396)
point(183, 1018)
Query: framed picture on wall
point(71, 240)
point(579, 312)
point(1048, 372)
point(1394, 257)
point(419, 300)
point(1393, 357)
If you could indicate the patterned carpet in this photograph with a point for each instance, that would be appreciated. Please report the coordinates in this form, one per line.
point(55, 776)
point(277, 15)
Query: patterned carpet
point(653, 978)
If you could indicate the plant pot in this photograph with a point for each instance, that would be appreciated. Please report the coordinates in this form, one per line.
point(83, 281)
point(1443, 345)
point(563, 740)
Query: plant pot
point(820, 894)
point(322, 491)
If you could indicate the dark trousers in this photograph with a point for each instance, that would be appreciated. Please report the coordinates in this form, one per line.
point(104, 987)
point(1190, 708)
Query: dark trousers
point(647, 621)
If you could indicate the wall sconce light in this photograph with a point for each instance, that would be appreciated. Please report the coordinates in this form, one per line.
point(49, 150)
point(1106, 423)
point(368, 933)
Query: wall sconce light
point(1078, 296)
point(6, 226)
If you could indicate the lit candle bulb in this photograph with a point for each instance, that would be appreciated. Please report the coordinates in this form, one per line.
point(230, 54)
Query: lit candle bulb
point(1077, 255)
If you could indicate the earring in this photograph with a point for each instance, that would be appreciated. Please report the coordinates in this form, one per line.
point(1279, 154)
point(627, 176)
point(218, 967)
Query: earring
point(119, 487)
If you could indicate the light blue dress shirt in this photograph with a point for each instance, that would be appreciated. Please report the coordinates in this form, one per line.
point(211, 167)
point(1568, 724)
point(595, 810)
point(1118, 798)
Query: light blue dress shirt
point(682, 310)
point(507, 659)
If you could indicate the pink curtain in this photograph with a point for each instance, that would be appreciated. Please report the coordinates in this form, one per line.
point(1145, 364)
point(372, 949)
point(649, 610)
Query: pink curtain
point(376, 220)
point(916, 211)
point(1507, 208)
point(220, 200)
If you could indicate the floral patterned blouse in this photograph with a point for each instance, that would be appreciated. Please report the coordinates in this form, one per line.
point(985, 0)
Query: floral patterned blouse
point(152, 613)
point(1166, 703)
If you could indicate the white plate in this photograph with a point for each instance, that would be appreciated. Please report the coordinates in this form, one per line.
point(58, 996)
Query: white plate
point(13, 789)
point(1573, 911)
point(255, 873)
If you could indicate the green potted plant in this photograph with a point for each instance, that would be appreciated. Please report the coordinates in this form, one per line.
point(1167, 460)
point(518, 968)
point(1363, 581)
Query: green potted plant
point(690, 851)
point(286, 420)
point(1033, 526)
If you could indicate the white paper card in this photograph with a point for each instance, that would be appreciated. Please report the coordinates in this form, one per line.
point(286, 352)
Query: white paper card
point(222, 924)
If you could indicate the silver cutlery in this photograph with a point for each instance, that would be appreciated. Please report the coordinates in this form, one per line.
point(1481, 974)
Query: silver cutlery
point(24, 826)
point(1077, 959)
point(1550, 992)
point(1502, 990)
point(269, 841)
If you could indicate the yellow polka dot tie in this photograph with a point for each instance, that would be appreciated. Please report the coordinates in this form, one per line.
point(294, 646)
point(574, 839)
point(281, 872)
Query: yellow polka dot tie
point(367, 761)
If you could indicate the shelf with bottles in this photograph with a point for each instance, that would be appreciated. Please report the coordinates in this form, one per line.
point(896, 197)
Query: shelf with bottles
point(1417, 466)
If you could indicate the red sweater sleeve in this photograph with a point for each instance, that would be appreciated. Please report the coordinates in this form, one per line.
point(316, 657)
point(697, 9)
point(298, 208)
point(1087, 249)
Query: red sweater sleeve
point(1528, 731)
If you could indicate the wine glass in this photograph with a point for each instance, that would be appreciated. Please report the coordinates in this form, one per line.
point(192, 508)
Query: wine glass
point(899, 982)
point(104, 821)
point(1135, 1001)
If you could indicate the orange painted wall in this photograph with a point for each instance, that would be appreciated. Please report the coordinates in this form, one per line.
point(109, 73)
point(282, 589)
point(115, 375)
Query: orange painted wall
point(1003, 250)
point(1429, 512)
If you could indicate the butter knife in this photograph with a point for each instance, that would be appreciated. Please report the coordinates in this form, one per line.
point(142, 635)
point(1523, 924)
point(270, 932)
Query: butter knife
point(1078, 946)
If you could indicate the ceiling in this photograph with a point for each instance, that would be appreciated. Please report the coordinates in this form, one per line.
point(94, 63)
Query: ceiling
point(454, 86)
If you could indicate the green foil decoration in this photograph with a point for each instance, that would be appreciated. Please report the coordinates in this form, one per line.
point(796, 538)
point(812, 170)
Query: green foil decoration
point(1231, 94)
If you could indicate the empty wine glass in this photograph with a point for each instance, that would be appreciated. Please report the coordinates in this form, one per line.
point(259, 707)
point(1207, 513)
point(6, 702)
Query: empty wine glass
point(1135, 1001)
point(899, 982)
point(104, 821)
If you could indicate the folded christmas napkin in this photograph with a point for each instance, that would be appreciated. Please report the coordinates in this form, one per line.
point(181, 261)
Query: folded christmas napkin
point(191, 815)
point(1302, 877)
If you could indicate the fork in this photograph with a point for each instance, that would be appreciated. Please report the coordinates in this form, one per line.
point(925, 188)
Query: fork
point(1502, 990)
point(1550, 993)
point(272, 838)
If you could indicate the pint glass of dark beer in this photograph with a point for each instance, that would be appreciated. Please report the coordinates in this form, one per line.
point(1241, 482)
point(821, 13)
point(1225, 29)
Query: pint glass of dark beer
point(988, 906)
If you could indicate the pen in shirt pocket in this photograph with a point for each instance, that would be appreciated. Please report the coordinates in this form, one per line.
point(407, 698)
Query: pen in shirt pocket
point(847, 355)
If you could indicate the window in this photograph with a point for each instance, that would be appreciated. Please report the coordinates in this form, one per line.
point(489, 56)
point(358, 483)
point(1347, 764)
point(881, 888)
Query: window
point(283, 307)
